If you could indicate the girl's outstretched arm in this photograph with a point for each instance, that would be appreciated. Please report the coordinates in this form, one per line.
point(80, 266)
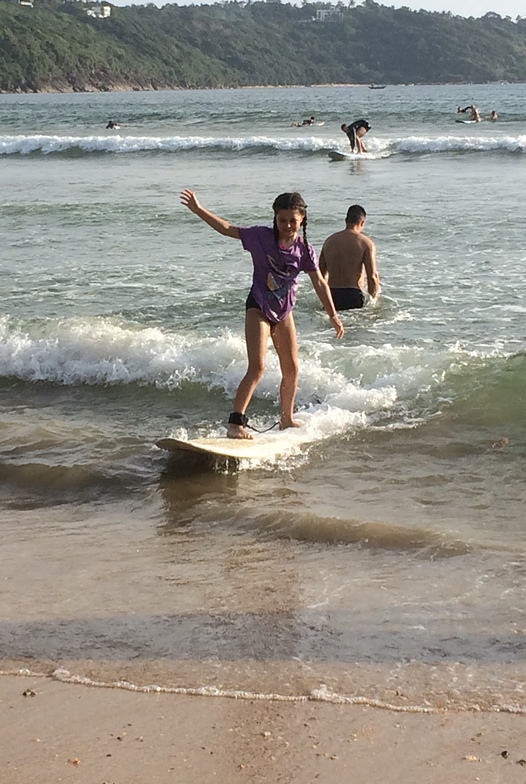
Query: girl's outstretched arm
point(189, 199)
point(321, 287)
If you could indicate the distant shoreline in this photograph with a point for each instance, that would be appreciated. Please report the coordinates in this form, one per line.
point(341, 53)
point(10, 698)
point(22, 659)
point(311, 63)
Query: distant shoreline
point(121, 87)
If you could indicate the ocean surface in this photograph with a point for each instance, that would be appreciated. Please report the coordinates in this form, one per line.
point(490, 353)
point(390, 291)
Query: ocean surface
point(382, 557)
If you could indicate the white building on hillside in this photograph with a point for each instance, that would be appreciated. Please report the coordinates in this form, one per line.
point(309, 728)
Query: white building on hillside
point(99, 11)
point(328, 14)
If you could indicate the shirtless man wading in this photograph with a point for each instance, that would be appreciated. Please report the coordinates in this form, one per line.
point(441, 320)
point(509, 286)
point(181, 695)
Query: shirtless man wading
point(347, 257)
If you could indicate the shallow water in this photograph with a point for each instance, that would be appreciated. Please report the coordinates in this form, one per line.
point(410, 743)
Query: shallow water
point(382, 555)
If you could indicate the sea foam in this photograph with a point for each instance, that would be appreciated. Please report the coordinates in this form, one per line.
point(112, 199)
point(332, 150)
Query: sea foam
point(378, 147)
point(347, 384)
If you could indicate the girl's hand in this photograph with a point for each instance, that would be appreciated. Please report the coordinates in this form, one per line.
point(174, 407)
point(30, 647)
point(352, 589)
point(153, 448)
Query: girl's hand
point(338, 326)
point(189, 199)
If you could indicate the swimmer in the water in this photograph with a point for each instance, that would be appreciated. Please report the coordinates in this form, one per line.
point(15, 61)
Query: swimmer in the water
point(310, 121)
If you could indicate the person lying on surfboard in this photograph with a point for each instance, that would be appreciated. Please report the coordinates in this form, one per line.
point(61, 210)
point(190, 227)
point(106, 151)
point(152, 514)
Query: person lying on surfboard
point(279, 254)
point(311, 121)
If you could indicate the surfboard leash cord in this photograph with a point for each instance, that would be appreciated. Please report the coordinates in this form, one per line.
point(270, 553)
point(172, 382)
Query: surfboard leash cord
point(236, 418)
point(251, 427)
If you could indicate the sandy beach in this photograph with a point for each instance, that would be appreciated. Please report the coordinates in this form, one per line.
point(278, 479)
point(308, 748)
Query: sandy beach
point(59, 732)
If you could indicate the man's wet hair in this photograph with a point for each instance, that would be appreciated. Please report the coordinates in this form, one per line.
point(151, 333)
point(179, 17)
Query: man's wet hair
point(355, 214)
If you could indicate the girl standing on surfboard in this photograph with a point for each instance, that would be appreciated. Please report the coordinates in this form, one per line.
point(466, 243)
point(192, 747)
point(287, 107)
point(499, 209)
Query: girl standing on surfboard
point(278, 256)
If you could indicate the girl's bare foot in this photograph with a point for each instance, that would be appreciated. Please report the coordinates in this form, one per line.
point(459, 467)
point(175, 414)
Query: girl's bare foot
point(288, 422)
point(237, 431)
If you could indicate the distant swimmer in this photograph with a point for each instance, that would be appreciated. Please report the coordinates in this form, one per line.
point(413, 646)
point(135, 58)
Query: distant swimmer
point(113, 126)
point(310, 121)
point(474, 114)
point(347, 259)
point(355, 131)
point(494, 116)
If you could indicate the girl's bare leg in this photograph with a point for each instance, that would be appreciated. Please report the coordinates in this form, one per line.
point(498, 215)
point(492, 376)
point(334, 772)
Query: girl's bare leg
point(286, 345)
point(257, 331)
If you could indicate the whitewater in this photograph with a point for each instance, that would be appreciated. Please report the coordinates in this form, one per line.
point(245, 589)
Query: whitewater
point(261, 145)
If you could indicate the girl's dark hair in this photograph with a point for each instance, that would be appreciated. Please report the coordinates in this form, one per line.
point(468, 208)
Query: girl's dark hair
point(291, 201)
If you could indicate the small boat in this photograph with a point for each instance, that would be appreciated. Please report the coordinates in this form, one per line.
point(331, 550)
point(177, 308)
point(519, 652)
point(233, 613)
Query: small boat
point(377, 86)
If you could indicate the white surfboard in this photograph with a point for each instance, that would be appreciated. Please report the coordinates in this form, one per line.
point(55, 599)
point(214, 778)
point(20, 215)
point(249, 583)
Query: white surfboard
point(466, 122)
point(261, 447)
point(337, 155)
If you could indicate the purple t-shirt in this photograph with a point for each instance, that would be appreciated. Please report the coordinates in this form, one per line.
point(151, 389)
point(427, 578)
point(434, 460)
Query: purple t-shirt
point(276, 270)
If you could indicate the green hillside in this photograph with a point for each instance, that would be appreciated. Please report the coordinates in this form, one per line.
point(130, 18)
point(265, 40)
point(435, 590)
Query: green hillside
point(57, 46)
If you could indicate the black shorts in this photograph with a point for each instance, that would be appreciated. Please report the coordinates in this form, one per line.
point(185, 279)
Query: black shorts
point(348, 299)
point(251, 303)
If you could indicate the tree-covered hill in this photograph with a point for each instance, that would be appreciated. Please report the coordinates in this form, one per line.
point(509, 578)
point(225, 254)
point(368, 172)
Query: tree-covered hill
point(56, 46)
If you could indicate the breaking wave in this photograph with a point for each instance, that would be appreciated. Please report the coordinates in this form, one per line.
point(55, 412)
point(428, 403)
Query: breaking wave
point(259, 145)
